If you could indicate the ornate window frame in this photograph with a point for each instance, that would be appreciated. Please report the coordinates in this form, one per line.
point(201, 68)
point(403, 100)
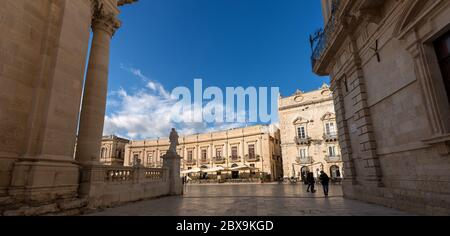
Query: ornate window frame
point(418, 31)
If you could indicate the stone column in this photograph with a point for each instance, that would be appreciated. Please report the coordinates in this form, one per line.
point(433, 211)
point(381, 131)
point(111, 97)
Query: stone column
point(90, 133)
point(95, 90)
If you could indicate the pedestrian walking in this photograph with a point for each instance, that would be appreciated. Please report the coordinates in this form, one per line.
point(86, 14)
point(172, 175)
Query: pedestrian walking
point(311, 182)
point(325, 181)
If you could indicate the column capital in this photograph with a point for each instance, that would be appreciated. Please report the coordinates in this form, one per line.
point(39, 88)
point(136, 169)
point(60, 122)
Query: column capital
point(104, 19)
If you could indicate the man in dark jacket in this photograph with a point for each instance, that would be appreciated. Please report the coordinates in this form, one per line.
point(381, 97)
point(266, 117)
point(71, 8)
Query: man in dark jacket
point(311, 181)
point(324, 180)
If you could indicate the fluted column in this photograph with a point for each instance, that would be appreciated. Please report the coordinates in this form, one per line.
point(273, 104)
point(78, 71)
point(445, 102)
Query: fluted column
point(95, 89)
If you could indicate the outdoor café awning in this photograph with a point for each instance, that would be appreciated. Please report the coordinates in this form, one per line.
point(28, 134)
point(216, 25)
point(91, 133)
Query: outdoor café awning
point(215, 169)
point(243, 168)
point(191, 171)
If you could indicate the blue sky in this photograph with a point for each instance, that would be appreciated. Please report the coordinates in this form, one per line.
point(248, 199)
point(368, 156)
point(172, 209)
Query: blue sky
point(163, 44)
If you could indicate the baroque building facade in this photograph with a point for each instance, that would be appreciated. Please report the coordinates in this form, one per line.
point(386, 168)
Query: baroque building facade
point(309, 140)
point(112, 151)
point(256, 147)
point(389, 66)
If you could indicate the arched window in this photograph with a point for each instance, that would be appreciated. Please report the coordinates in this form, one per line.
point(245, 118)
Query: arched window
point(335, 172)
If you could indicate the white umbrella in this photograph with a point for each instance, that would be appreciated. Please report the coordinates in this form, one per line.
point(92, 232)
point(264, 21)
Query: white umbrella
point(215, 169)
point(243, 167)
point(191, 171)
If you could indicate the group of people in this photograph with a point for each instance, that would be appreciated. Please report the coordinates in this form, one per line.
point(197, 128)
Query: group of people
point(311, 182)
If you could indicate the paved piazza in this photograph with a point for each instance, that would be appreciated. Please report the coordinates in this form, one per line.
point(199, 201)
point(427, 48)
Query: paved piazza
point(251, 200)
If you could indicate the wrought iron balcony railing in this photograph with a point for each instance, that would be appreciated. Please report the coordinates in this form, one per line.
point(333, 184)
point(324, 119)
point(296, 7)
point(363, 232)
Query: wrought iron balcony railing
point(219, 160)
point(190, 162)
point(304, 160)
point(335, 158)
point(330, 137)
point(235, 158)
point(252, 158)
point(319, 41)
point(302, 140)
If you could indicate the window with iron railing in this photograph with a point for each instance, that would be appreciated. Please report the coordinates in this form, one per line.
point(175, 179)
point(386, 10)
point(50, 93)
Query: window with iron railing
point(234, 153)
point(204, 155)
point(219, 153)
point(189, 157)
point(251, 151)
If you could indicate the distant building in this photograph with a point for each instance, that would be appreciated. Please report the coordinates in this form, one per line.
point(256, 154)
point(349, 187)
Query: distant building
point(309, 139)
point(113, 150)
point(256, 147)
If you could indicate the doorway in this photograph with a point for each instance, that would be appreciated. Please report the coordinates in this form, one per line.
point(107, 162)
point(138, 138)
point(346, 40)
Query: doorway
point(442, 48)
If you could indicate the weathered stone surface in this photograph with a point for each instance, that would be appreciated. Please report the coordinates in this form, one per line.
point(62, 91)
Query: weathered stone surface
point(388, 85)
point(72, 204)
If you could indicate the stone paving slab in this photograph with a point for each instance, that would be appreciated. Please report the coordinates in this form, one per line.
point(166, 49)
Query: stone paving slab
point(252, 200)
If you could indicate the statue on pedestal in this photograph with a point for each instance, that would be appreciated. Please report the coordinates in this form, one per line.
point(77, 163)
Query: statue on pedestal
point(173, 141)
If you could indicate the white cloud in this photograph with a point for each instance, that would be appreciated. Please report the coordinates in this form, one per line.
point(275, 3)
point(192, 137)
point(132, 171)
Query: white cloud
point(149, 113)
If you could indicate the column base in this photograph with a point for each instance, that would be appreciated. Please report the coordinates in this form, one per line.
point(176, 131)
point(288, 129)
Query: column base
point(41, 181)
point(92, 175)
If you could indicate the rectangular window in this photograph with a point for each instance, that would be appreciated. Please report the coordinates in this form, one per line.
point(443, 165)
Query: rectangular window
point(189, 157)
point(135, 159)
point(442, 48)
point(330, 128)
point(234, 153)
point(303, 153)
point(218, 153)
point(251, 151)
point(204, 155)
point(332, 151)
point(301, 132)
point(150, 159)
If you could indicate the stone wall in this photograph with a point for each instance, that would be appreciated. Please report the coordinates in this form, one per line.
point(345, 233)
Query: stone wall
point(392, 112)
point(108, 187)
point(42, 63)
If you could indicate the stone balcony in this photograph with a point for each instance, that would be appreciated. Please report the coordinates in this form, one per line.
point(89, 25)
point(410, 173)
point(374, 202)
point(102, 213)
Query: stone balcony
point(302, 141)
point(190, 162)
point(325, 42)
point(219, 160)
point(304, 160)
point(235, 159)
point(205, 161)
point(330, 137)
point(333, 159)
point(253, 158)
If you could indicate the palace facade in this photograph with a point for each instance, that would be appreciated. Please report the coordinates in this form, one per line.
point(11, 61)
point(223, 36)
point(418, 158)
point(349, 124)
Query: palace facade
point(389, 63)
point(112, 151)
point(309, 140)
point(257, 147)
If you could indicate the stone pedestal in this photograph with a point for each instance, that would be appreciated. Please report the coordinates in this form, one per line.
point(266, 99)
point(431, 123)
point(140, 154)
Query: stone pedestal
point(172, 162)
point(40, 181)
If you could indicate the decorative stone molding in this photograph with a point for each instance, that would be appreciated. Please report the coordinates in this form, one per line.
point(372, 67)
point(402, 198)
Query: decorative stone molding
point(103, 18)
point(441, 143)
